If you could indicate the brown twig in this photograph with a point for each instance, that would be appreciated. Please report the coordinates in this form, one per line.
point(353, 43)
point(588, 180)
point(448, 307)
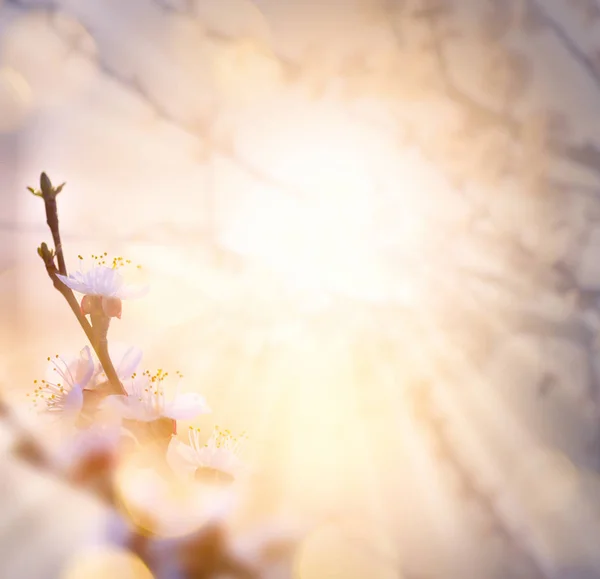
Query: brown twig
point(102, 352)
point(49, 194)
point(97, 339)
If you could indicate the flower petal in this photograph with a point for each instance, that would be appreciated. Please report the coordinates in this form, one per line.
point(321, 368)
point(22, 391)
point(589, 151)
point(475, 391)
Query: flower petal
point(128, 408)
point(127, 359)
point(78, 285)
point(106, 281)
point(186, 406)
point(85, 367)
point(71, 370)
point(220, 459)
point(181, 457)
point(73, 401)
point(136, 386)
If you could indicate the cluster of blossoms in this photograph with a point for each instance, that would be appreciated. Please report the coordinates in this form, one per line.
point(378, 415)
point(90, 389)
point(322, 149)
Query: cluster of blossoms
point(117, 430)
point(149, 397)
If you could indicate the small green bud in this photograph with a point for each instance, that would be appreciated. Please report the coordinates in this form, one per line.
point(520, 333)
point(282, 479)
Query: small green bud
point(47, 190)
point(45, 252)
point(46, 185)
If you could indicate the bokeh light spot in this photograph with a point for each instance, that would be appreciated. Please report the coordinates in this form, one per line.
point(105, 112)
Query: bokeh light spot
point(16, 100)
point(50, 54)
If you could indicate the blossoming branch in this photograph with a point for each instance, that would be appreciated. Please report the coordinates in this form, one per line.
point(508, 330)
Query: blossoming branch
point(105, 416)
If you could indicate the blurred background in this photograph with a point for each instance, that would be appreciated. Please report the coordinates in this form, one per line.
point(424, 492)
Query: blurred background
point(372, 233)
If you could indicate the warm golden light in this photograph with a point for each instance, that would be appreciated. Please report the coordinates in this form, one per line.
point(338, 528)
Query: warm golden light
point(103, 562)
point(358, 200)
point(332, 552)
point(561, 482)
point(340, 227)
point(245, 72)
point(347, 256)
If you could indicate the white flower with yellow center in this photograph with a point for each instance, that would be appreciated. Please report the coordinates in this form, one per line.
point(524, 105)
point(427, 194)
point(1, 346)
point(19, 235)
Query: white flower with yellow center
point(147, 400)
point(103, 284)
point(62, 389)
point(216, 460)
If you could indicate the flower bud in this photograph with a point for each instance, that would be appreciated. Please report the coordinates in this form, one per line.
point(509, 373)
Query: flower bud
point(46, 185)
point(47, 190)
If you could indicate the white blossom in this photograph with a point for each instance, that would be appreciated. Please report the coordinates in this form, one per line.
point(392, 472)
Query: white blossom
point(61, 391)
point(103, 280)
point(148, 400)
point(218, 458)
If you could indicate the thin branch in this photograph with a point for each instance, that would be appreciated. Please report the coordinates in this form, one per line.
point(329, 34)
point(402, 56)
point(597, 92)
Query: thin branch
point(586, 155)
point(580, 57)
point(49, 194)
point(96, 336)
point(426, 412)
point(69, 296)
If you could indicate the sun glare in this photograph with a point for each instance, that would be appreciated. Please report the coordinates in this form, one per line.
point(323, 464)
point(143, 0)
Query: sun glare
point(307, 274)
point(348, 254)
point(360, 222)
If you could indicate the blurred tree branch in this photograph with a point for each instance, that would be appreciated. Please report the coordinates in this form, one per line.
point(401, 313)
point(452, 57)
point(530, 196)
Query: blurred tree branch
point(559, 275)
point(431, 419)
